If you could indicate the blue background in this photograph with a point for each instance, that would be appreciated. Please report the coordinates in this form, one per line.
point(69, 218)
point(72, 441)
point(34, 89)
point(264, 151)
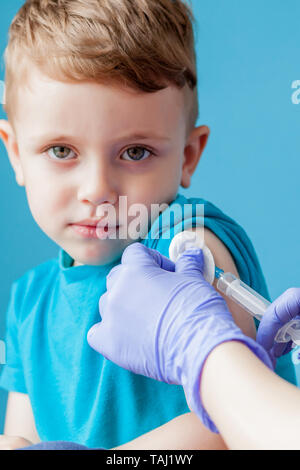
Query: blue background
point(248, 57)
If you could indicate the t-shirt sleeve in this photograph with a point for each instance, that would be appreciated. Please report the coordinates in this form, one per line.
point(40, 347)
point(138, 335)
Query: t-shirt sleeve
point(12, 377)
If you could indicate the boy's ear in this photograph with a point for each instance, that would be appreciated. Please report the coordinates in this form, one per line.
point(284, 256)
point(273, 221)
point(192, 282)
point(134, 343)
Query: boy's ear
point(195, 145)
point(8, 137)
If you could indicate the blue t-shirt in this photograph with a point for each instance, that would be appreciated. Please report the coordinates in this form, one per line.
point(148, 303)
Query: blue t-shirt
point(76, 394)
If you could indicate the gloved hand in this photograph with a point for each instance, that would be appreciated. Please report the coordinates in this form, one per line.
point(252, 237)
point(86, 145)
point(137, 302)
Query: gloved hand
point(162, 320)
point(281, 311)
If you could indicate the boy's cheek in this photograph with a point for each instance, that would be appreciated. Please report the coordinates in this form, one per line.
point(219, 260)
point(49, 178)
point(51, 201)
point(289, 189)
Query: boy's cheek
point(46, 207)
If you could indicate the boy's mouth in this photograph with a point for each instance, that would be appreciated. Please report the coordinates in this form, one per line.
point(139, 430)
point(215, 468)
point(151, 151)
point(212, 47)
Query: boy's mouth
point(95, 223)
point(89, 228)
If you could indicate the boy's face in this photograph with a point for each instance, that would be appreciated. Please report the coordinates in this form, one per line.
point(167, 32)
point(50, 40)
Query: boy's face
point(77, 147)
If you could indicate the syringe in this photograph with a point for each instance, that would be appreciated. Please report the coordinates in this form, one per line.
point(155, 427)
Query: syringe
point(231, 286)
point(242, 294)
point(255, 304)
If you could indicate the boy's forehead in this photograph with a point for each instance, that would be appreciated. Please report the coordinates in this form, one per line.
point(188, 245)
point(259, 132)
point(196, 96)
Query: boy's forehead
point(73, 106)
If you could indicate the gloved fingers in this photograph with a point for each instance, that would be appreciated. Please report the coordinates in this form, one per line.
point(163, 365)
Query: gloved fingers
point(287, 306)
point(272, 357)
point(102, 305)
point(94, 336)
point(139, 253)
point(266, 338)
point(281, 311)
point(112, 275)
point(280, 349)
point(162, 261)
point(100, 339)
point(191, 261)
point(267, 331)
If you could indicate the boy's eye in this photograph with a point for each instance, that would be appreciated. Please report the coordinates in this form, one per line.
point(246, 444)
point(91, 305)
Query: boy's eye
point(133, 153)
point(136, 154)
point(60, 153)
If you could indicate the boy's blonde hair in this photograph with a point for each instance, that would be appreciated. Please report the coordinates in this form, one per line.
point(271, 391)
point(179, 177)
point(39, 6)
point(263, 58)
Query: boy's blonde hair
point(144, 44)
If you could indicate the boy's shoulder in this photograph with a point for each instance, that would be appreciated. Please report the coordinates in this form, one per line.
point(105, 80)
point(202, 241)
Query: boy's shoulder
point(36, 276)
point(41, 270)
point(27, 291)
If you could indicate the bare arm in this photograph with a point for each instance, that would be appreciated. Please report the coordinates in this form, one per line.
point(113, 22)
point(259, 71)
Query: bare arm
point(252, 407)
point(186, 432)
point(19, 421)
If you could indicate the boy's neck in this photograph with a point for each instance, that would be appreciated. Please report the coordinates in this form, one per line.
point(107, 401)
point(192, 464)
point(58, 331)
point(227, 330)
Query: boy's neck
point(76, 264)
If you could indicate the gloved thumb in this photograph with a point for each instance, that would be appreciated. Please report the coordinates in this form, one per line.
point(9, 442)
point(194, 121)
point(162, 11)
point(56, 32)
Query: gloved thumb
point(191, 261)
point(138, 253)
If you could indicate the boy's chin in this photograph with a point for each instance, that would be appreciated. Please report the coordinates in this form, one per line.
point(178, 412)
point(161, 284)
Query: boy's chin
point(95, 256)
point(100, 260)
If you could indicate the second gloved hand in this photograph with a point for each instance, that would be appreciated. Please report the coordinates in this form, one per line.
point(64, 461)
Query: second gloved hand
point(161, 320)
point(279, 313)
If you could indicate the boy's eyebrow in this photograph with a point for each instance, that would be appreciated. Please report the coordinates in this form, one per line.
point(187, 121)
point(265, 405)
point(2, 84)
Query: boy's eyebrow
point(52, 138)
point(144, 137)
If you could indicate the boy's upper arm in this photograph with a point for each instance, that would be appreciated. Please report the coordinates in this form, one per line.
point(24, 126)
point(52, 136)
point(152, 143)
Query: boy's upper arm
point(224, 260)
point(19, 419)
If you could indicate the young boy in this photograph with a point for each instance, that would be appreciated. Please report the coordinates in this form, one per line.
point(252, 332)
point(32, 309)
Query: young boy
point(101, 100)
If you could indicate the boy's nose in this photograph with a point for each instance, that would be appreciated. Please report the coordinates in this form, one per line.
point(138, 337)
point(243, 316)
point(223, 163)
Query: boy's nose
point(98, 186)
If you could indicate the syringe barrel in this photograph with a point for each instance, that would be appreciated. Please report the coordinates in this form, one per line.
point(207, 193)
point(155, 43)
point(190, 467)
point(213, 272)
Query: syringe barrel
point(242, 294)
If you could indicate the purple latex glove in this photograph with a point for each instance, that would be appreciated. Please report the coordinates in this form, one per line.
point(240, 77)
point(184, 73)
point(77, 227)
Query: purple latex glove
point(281, 311)
point(162, 320)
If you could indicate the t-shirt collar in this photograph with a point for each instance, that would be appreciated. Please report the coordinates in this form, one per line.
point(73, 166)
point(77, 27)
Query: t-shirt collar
point(78, 273)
